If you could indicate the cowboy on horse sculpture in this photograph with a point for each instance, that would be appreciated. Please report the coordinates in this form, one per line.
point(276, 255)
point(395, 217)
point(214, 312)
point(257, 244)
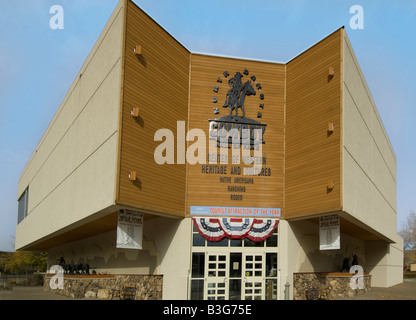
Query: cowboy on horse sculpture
point(237, 94)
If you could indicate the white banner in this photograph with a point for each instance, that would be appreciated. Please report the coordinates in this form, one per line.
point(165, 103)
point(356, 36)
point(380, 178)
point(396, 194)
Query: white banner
point(129, 229)
point(329, 234)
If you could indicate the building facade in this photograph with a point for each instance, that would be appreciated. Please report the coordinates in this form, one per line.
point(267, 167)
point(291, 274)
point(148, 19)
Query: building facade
point(234, 166)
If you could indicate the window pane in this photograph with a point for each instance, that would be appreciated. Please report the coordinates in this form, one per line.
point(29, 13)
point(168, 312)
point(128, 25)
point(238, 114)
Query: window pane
point(197, 289)
point(271, 289)
point(235, 265)
point(198, 240)
point(249, 243)
point(271, 265)
point(20, 210)
point(271, 241)
point(235, 289)
point(236, 243)
point(222, 243)
point(22, 206)
point(198, 265)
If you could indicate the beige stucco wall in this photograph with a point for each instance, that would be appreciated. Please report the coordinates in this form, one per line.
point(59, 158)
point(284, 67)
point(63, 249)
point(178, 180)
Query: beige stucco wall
point(385, 262)
point(166, 251)
point(369, 163)
point(300, 252)
point(102, 256)
point(288, 251)
point(172, 238)
point(72, 172)
point(369, 173)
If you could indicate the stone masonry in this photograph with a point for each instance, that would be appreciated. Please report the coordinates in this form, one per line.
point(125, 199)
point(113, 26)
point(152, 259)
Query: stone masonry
point(147, 287)
point(328, 285)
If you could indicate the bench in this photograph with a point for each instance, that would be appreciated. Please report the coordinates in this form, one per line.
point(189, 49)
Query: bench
point(125, 293)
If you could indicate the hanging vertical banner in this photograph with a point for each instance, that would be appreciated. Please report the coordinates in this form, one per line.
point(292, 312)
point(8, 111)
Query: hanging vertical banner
point(129, 229)
point(329, 234)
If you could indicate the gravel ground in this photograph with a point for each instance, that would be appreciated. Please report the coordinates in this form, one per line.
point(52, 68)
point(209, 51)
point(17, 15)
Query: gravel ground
point(403, 291)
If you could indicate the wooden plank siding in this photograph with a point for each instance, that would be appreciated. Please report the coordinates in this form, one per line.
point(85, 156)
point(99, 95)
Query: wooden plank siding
point(206, 189)
point(313, 155)
point(169, 84)
point(157, 83)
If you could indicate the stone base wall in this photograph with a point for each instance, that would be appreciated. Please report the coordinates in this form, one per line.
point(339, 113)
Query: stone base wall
point(329, 285)
point(148, 287)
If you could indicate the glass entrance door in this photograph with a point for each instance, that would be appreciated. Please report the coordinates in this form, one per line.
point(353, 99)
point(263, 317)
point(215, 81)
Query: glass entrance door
point(234, 269)
point(235, 272)
point(253, 272)
point(216, 284)
point(235, 275)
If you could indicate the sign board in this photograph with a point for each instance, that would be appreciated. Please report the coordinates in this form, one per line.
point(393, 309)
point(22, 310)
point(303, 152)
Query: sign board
point(329, 234)
point(129, 229)
point(235, 211)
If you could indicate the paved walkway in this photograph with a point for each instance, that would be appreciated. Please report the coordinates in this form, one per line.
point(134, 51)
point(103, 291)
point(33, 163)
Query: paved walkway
point(403, 291)
point(29, 293)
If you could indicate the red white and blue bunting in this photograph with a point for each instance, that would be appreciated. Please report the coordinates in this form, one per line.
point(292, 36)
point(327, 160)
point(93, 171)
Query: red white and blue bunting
point(216, 229)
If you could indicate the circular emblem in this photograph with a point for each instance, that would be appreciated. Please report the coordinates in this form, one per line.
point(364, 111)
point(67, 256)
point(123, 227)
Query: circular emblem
point(235, 91)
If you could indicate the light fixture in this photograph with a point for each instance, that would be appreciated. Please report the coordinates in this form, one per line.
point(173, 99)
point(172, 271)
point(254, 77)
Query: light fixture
point(135, 112)
point(331, 71)
point(132, 176)
point(138, 50)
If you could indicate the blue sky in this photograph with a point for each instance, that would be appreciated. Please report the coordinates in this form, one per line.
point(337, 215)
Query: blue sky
point(38, 64)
